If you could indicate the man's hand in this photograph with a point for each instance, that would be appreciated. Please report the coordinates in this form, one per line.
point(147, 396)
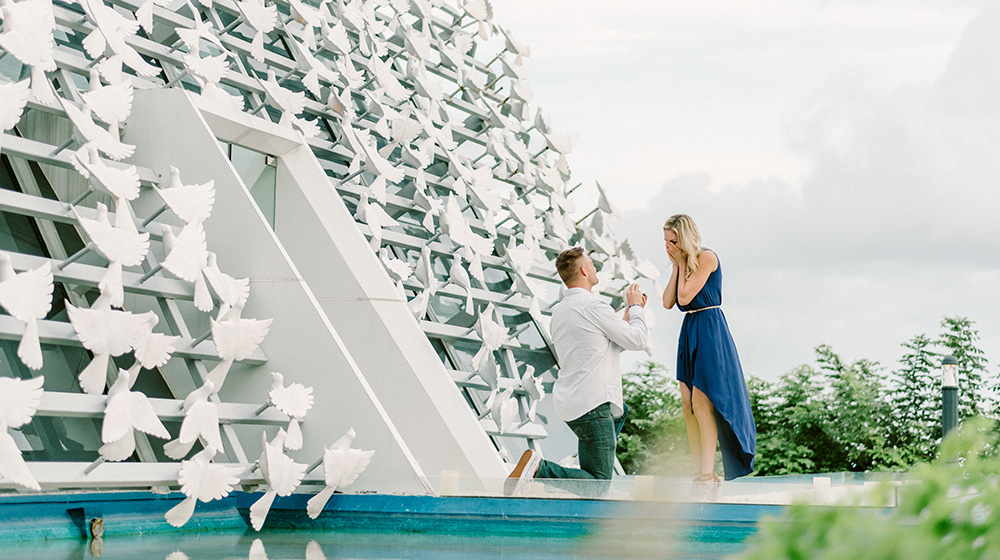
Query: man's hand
point(634, 296)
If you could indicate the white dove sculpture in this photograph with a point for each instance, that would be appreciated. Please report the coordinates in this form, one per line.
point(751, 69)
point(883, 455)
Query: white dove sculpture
point(425, 271)
point(533, 387)
point(491, 331)
point(235, 339)
point(375, 216)
point(15, 96)
point(120, 243)
point(119, 182)
point(281, 474)
point(418, 305)
point(208, 72)
point(201, 422)
point(27, 297)
point(202, 480)
point(187, 257)
point(313, 69)
point(21, 400)
point(153, 350)
point(112, 104)
point(127, 411)
point(460, 276)
point(398, 269)
point(488, 370)
point(88, 132)
point(503, 408)
point(262, 19)
point(481, 11)
point(289, 102)
point(293, 401)
point(108, 39)
point(191, 203)
point(27, 34)
point(231, 291)
point(311, 18)
point(145, 13)
point(106, 332)
point(199, 31)
point(341, 466)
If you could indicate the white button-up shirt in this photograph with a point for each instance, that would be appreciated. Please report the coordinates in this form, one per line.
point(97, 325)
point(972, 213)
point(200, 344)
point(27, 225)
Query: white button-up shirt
point(589, 337)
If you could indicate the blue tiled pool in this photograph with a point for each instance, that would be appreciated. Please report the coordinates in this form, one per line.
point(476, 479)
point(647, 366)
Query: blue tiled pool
point(375, 527)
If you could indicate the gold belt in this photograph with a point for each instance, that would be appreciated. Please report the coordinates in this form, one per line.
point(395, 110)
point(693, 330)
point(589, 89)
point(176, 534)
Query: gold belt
point(703, 308)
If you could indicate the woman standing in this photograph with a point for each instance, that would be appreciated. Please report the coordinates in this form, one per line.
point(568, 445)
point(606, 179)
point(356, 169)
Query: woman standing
point(713, 391)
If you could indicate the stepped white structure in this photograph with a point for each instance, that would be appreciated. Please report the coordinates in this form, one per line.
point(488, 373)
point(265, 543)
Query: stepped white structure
point(357, 194)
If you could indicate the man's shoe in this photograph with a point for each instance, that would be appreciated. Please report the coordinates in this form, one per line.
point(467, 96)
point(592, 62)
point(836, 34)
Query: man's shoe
point(523, 472)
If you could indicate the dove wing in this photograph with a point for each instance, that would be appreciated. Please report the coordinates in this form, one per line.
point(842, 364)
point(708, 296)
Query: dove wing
point(236, 339)
point(90, 327)
point(202, 420)
point(208, 481)
point(117, 418)
point(16, 97)
point(155, 349)
point(294, 400)
point(189, 254)
point(116, 244)
point(111, 103)
point(122, 183)
point(210, 68)
point(230, 290)
point(342, 467)
point(12, 466)
point(28, 295)
point(143, 416)
point(284, 474)
point(28, 33)
point(191, 203)
point(21, 398)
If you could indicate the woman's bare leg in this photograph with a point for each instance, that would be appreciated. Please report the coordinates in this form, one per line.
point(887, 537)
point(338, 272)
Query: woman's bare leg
point(704, 413)
point(694, 436)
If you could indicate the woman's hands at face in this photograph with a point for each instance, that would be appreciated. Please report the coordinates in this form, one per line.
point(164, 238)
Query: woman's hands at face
point(675, 254)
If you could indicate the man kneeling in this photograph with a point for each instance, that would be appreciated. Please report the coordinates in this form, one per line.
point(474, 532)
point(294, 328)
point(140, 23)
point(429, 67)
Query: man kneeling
point(589, 338)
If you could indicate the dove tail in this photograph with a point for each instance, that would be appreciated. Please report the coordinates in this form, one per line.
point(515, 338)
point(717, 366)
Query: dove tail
point(177, 449)
point(111, 284)
point(259, 509)
point(293, 440)
point(145, 16)
point(30, 349)
point(202, 298)
point(257, 47)
point(93, 376)
point(120, 449)
point(41, 90)
point(316, 504)
point(179, 514)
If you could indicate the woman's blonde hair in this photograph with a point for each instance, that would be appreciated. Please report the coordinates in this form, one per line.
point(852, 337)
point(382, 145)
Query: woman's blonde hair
point(688, 239)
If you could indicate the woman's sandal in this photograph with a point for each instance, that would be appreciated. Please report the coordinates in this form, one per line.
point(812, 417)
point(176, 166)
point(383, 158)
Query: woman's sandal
point(708, 477)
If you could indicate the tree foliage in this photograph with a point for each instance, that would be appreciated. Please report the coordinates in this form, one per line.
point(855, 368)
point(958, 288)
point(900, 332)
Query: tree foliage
point(653, 437)
point(830, 416)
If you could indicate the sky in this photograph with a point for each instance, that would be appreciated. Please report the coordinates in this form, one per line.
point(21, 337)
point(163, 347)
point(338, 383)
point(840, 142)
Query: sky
point(841, 158)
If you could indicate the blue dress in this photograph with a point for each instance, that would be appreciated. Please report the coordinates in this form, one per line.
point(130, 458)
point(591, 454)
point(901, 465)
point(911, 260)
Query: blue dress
point(707, 359)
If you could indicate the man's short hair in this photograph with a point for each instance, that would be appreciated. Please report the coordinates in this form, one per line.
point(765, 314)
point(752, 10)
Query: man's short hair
point(566, 264)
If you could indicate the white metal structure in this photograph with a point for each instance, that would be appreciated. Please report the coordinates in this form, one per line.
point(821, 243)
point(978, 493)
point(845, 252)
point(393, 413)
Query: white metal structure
point(380, 177)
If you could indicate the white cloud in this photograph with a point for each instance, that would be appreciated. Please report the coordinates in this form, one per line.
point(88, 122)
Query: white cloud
point(894, 226)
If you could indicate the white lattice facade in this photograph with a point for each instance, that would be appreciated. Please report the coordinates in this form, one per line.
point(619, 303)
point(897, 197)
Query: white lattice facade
point(382, 180)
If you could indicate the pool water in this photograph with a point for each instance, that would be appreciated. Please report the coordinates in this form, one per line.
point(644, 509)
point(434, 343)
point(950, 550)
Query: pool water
point(684, 542)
